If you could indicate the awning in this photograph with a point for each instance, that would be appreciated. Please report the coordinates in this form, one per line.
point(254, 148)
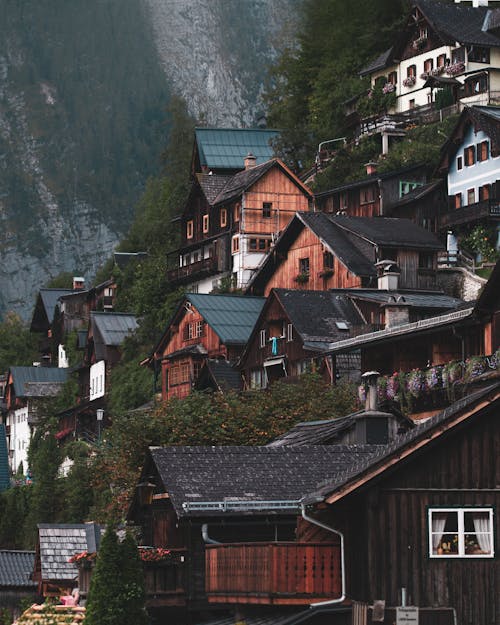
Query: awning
point(272, 362)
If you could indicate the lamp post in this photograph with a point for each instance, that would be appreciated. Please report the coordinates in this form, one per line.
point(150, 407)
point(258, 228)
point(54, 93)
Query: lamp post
point(99, 414)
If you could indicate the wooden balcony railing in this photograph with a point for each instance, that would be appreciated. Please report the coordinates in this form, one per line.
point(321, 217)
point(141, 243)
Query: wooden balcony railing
point(194, 271)
point(165, 582)
point(465, 214)
point(272, 573)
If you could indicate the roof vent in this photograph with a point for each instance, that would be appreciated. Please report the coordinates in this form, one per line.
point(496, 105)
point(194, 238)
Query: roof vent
point(250, 161)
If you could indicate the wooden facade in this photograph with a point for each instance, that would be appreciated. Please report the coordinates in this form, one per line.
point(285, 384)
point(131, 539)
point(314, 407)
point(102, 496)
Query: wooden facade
point(385, 523)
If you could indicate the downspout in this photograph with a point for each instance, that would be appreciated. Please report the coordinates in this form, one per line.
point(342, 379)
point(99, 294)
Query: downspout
point(342, 561)
point(206, 537)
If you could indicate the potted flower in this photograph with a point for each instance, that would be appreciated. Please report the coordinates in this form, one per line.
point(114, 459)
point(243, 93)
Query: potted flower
point(409, 82)
point(302, 278)
point(455, 68)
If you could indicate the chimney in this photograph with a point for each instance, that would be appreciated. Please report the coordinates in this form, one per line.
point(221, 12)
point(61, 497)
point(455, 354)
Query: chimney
point(78, 283)
point(250, 161)
point(388, 275)
point(371, 168)
point(370, 378)
point(397, 311)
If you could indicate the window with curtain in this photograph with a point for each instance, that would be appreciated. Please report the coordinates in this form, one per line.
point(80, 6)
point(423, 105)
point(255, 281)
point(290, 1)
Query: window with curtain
point(461, 532)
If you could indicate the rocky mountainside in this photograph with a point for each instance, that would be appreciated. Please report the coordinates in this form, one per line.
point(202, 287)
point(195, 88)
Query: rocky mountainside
point(84, 90)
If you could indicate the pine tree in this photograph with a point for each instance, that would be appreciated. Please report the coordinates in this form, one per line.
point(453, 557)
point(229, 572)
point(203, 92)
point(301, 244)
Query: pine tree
point(116, 595)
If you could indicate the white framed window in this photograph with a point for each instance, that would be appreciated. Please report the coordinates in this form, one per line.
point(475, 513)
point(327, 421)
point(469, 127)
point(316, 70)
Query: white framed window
point(461, 533)
point(289, 332)
point(262, 340)
point(257, 379)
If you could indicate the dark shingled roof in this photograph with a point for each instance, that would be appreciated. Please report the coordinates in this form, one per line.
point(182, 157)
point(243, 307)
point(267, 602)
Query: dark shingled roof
point(16, 568)
point(420, 432)
point(383, 60)
point(388, 231)
point(58, 543)
point(220, 374)
point(417, 299)
point(241, 181)
point(314, 314)
point(338, 243)
point(247, 474)
point(259, 618)
point(212, 185)
point(122, 259)
point(113, 328)
point(24, 379)
point(417, 193)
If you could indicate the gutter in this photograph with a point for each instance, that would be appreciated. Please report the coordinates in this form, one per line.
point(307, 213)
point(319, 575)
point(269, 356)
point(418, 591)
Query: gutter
point(314, 521)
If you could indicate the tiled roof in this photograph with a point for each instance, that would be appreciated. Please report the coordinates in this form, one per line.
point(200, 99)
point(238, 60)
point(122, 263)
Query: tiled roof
point(26, 380)
point(339, 244)
point(16, 568)
point(241, 181)
point(4, 460)
point(315, 314)
point(226, 148)
point(417, 193)
point(58, 543)
point(417, 299)
point(420, 432)
point(232, 317)
point(388, 231)
point(212, 185)
point(113, 328)
point(383, 60)
point(247, 475)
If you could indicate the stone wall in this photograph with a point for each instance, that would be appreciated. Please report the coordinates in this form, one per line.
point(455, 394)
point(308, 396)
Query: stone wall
point(458, 282)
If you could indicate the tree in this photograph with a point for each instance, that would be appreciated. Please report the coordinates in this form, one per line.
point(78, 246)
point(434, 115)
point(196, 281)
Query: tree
point(116, 595)
point(17, 344)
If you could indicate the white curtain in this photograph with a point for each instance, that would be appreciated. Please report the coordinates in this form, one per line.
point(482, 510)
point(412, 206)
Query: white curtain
point(438, 523)
point(483, 529)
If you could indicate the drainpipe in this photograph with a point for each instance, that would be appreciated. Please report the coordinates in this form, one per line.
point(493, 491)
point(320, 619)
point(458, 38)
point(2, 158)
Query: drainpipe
point(342, 561)
point(206, 537)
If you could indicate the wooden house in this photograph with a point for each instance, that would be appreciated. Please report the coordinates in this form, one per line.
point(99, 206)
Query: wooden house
point(291, 332)
point(374, 195)
point(470, 161)
point(25, 388)
point(446, 54)
point(16, 584)
point(418, 521)
point(229, 223)
point(320, 251)
point(203, 327)
point(229, 517)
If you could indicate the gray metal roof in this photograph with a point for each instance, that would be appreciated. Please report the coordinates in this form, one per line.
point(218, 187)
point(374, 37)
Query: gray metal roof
point(16, 568)
point(415, 299)
point(48, 379)
point(247, 476)
point(60, 542)
point(50, 298)
point(226, 148)
point(232, 317)
point(113, 328)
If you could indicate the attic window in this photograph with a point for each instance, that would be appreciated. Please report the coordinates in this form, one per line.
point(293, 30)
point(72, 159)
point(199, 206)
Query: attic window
point(483, 151)
point(189, 229)
point(460, 162)
point(266, 209)
point(470, 156)
point(205, 223)
point(223, 217)
point(341, 325)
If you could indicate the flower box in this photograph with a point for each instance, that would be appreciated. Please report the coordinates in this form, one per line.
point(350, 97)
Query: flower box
point(389, 87)
point(455, 68)
point(409, 82)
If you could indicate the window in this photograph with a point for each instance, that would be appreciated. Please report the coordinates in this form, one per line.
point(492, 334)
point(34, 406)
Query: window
point(441, 60)
point(469, 156)
point(478, 54)
point(262, 338)
point(471, 196)
point(484, 192)
point(393, 78)
point(411, 71)
point(289, 332)
point(460, 162)
point(235, 244)
point(458, 200)
point(223, 217)
point(475, 85)
point(266, 209)
point(179, 374)
point(343, 200)
point(366, 195)
point(236, 212)
point(483, 151)
point(195, 329)
point(426, 260)
point(458, 55)
point(259, 245)
point(411, 104)
point(327, 260)
point(189, 229)
point(461, 532)
point(304, 265)
point(406, 187)
point(428, 65)
point(205, 223)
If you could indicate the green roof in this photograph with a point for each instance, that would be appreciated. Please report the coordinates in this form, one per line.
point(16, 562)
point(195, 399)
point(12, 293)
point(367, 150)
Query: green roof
point(46, 379)
point(226, 148)
point(4, 460)
point(232, 317)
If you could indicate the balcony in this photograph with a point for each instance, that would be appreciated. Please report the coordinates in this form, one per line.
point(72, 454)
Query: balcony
point(164, 581)
point(487, 209)
point(194, 271)
point(272, 573)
